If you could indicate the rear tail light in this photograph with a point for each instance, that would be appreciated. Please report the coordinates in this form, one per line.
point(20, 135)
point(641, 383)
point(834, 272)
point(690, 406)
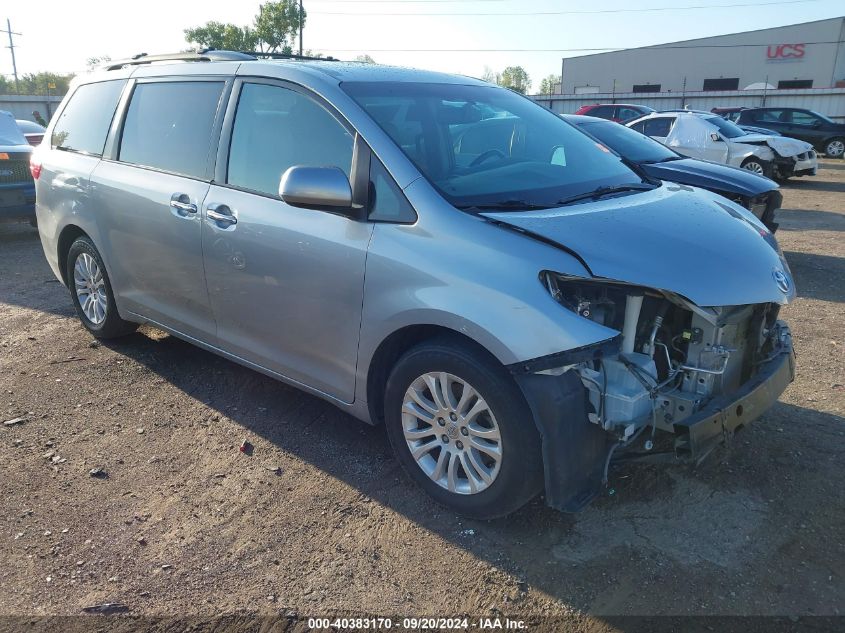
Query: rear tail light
point(35, 167)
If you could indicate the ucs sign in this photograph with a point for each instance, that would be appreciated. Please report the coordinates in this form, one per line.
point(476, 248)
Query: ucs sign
point(782, 52)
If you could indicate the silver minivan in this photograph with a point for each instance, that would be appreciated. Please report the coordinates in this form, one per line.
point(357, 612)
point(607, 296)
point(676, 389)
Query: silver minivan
point(510, 298)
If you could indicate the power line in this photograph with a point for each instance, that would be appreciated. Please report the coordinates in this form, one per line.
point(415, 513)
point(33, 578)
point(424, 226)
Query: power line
point(586, 12)
point(550, 50)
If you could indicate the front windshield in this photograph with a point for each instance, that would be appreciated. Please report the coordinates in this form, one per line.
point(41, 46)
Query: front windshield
point(727, 128)
point(484, 145)
point(629, 143)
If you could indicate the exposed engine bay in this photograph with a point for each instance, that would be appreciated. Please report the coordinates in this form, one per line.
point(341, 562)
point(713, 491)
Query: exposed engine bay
point(674, 357)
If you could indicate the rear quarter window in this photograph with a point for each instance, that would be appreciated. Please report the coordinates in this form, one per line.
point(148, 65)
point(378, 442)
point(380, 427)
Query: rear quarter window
point(84, 123)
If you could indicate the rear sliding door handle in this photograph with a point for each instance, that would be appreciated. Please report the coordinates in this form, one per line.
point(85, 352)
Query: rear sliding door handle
point(221, 214)
point(182, 204)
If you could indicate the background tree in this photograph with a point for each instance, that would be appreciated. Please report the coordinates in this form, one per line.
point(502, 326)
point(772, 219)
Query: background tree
point(491, 76)
point(547, 85)
point(277, 25)
point(93, 62)
point(274, 30)
point(515, 78)
point(222, 36)
point(37, 84)
point(365, 59)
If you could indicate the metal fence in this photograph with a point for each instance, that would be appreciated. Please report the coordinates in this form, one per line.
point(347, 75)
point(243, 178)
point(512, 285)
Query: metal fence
point(22, 106)
point(828, 101)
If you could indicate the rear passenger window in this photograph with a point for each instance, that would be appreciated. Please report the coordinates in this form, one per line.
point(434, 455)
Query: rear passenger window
point(276, 128)
point(84, 123)
point(169, 126)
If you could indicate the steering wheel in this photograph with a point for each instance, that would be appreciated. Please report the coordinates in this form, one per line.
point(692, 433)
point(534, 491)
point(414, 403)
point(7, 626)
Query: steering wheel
point(490, 153)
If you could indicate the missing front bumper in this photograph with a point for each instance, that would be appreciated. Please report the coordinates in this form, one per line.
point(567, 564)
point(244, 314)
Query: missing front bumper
point(720, 419)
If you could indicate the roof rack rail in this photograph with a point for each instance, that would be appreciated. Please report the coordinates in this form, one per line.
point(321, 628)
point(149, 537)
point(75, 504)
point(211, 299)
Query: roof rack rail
point(262, 55)
point(207, 55)
point(202, 55)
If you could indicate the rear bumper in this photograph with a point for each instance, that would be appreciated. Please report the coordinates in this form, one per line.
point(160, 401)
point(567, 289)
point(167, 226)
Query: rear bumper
point(24, 211)
point(720, 419)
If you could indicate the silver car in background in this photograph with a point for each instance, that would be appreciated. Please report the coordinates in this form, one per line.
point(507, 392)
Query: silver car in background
point(513, 301)
point(707, 136)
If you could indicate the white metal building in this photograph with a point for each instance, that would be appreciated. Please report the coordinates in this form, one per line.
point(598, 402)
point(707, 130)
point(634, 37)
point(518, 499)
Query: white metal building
point(800, 56)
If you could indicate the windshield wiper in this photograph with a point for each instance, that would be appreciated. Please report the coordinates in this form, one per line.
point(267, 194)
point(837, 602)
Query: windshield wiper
point(505, 205)
point(595, 194)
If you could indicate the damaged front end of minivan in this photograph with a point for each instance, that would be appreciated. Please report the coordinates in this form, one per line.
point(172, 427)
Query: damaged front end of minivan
point(700, 373)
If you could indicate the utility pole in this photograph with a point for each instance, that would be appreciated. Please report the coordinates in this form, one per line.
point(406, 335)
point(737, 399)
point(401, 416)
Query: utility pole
point(11, 47)
point(300, 27)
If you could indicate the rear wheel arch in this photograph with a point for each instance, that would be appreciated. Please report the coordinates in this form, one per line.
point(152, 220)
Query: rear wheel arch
point(67, 237)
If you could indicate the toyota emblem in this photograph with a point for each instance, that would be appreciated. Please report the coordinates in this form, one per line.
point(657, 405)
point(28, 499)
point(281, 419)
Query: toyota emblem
point(782, 280)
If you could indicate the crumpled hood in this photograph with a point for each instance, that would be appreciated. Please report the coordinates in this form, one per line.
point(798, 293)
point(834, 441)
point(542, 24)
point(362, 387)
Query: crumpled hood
point(701, 173)
point(673, 238)
point(783, 145)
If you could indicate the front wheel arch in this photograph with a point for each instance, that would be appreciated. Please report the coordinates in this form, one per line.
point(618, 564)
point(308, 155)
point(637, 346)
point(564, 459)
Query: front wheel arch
point(392, 348)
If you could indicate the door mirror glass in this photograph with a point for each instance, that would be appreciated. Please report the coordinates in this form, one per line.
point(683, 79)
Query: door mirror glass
point(316, 188)
point(715, 136)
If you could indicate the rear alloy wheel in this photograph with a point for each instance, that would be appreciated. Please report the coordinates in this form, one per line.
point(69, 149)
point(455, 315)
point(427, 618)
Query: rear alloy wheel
point(462, 430)
point(755, 166)
point(835, 148)
point(91, 291)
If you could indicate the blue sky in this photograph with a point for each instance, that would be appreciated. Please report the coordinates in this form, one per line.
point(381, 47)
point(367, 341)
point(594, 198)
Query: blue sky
point(59, 35)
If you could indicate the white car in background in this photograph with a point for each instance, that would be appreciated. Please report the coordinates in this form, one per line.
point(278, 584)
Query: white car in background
point(710, 137)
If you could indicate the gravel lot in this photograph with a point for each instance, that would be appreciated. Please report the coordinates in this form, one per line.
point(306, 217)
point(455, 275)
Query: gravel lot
point(320, 519)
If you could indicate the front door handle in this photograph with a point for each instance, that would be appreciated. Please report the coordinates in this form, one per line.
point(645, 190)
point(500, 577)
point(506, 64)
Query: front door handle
point(182, 204)
point(221, 214)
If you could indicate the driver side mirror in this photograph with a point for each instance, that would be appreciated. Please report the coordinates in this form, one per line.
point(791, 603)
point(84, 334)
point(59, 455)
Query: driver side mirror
point(817, 123)
point(325, 188)
point(714, 136)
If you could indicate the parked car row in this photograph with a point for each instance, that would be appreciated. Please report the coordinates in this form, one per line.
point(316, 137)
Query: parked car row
point(515, 301)
point(825, 135)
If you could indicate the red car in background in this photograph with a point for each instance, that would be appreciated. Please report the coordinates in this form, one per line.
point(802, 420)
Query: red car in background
point(619, 112)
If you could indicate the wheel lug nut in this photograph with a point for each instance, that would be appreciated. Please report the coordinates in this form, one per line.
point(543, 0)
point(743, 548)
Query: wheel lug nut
point(445, 438)
point(460, 445)
point(464, 431)
point(453, 417)
point(441, 421)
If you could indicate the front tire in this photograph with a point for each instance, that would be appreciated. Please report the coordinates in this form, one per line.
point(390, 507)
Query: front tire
point(835, 148)
point(91, 291)
point(462, 430)
point(756, 166)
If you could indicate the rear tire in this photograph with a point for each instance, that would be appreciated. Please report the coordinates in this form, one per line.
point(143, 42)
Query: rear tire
point(835, 148)
point(477, 449)
point(91, 291)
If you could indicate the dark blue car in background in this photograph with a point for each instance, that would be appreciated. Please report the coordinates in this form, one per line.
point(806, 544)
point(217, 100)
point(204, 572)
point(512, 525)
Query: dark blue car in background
point(758, 194)
point(17, 188)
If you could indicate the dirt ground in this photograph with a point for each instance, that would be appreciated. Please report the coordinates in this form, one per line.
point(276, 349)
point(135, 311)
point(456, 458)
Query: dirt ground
point(320, 519)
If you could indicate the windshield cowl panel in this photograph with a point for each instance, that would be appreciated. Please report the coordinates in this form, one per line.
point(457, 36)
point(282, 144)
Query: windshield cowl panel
point(485, 145)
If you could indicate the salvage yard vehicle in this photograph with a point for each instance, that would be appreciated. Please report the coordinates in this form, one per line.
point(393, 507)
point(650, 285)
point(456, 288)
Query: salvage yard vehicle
point(17, 189)
point(710, 137)
point(823, 133)
point(513, 301)
point(756, 193)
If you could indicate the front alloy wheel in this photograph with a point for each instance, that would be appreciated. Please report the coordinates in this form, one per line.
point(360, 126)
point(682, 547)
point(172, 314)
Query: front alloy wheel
point(755, 167)
point(452, 433)
point(461, 428)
